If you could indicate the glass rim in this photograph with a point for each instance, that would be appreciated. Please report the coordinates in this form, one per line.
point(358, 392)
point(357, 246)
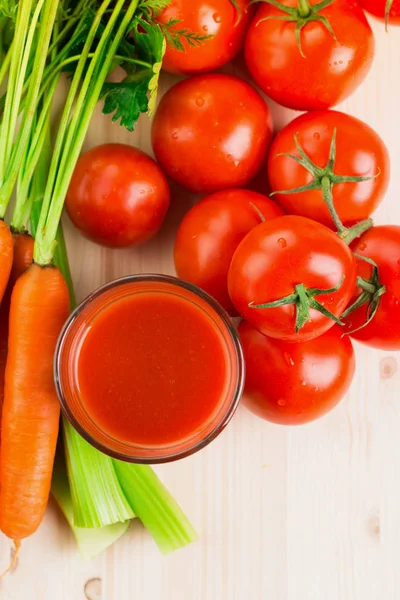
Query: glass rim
point(238, 355)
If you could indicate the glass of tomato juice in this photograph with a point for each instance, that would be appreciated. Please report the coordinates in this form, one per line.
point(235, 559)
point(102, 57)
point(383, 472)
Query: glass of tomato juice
point(149, 369)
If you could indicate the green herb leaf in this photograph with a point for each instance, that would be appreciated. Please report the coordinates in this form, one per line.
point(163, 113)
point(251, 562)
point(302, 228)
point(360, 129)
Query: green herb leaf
point(152, 8)
point(150, 45)
point(175, 36)
point(8, 9)
point(126, 100)
point(138, 92)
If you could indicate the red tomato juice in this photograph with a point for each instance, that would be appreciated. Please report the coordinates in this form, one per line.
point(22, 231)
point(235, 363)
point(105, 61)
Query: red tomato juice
point(151, 364)
point(151, 369)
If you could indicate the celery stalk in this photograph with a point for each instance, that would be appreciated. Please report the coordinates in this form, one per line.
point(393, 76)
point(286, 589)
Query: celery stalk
point(97, 497)
point(155, 507)
point(91, 542)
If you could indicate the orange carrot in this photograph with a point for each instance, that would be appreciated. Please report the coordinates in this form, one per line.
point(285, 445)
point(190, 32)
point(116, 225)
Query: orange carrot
point(22, 259)
point(23, 256)
point(6, 256)
point(31, 411)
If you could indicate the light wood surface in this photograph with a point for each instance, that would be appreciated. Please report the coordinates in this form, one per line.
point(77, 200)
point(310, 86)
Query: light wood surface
point(310, 513)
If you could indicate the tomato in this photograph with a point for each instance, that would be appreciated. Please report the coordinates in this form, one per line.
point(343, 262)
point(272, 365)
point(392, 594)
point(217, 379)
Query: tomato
point(211, 132)
point(118, 196)
point(295, 383)
point(378, 9)
point(382, 245)
point(216, 18)
point(210, 233)
point(360, 152)
point(327, 71)
point(274, 259)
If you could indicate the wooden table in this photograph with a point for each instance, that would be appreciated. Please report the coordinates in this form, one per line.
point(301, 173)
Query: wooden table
point(308, 513)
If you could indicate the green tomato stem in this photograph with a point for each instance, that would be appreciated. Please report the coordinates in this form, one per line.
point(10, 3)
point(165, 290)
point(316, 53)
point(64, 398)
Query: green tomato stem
point(349, 234)
point(366, 285)
point(303, 299)
point(326, 187)
point(304, 8)
point(387, 13)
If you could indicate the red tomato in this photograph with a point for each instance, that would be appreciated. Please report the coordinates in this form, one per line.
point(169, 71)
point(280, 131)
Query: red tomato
point(118, 196)
point(274, 259)
point(327, 72)
point(211, 132)
point(292, 384)
point(359, 152)
point(216, 18)
point(378, 9)
point(382, 245)
point(210, 233)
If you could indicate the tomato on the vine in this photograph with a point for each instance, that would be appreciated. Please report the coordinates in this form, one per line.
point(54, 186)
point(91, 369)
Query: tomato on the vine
point(210, 233)
point(220, 19)
point(292, 278)
point(380, 287)
point(118, 196)
point(308, 58)
point(211, 132)
point(342, 160)
point(293, 384)
point(383, 9)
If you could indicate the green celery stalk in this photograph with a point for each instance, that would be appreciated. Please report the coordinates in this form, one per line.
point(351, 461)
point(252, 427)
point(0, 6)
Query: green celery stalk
point(97, 496)
point(155, 507)
point(91, 542)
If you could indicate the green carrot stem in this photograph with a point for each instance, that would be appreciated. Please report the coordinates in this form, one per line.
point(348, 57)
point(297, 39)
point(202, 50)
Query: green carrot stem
point(24, 202)
point(21, 28)
point(72, 20)
point(5, 64)
point(53, 69)
point(80, 125)
point(12, 166)
point(19, 84)
point(70, 139)
point(62, 129)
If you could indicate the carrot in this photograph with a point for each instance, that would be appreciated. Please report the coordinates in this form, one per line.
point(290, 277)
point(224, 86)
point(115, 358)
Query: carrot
point(31, 411)
point(6, 256)
point(22, 259)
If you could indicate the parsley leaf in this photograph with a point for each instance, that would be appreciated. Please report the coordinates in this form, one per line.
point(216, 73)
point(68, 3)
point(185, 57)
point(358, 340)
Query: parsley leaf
point(126, 100)
point(137, 93)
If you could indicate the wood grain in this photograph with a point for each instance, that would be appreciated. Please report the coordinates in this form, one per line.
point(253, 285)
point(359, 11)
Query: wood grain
point(309, 513)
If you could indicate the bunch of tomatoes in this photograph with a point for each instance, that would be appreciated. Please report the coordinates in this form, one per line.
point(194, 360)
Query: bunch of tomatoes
point(304, 266)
